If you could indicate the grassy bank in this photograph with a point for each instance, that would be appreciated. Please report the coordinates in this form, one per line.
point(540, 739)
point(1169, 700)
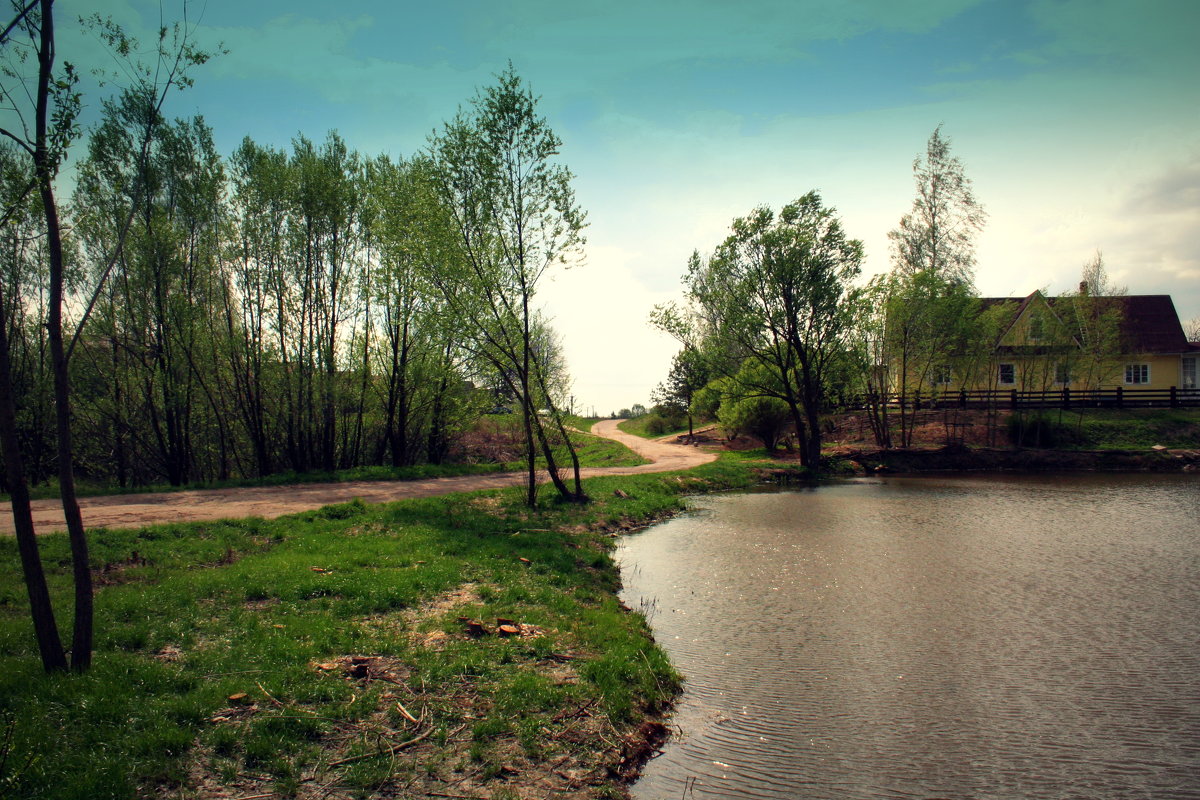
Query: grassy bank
point(325, 654)
point(1120, 429)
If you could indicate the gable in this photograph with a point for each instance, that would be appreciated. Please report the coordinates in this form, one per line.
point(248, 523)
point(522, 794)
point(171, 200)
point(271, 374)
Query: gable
point(1149, 322)
point(1036, 325)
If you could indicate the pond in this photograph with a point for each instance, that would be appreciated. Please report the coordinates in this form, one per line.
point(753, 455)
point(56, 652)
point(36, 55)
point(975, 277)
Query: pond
point(962, 637)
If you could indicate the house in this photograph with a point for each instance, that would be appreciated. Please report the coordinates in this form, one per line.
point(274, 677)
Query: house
point(1031, 350)
point(1082, 342)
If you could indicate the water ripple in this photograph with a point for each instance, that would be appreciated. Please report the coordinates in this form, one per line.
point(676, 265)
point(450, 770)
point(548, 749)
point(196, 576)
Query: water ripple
point(982, 638)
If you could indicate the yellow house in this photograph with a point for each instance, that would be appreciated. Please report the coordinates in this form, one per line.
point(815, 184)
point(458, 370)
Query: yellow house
point(1078, 343)
point(1131, 341)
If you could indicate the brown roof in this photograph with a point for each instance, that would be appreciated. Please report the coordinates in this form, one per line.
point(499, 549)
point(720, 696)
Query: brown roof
point(1149, 322)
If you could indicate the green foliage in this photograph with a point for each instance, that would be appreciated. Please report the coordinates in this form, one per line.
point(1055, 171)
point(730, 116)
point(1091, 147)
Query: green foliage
point(512, 213)
point(779, 292)
point(763, 417)
point(1106, 429)
point(707, 399)
point(656, 423)
point(690, 371)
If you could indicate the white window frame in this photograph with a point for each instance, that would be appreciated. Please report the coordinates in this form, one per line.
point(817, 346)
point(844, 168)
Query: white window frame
point(1012, 371)
point(1187, 377)
point(943, 375)
point(1137, 374)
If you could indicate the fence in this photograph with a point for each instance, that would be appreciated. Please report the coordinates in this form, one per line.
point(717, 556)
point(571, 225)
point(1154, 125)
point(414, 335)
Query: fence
point(1066, 398)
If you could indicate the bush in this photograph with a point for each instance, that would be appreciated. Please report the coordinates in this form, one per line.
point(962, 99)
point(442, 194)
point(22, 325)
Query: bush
point(764, 417)
point(1040, 430)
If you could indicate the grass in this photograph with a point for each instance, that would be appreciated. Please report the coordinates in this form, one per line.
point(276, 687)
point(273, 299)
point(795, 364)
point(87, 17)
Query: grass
point(596, 451)
point(650, 426)
point(1126, 429)
point(225, 651)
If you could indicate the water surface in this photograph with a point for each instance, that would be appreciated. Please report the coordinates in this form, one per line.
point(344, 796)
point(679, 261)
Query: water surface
point(983, 637)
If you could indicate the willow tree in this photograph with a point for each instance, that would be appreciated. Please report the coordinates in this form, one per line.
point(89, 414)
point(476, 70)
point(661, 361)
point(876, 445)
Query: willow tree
point(512, 217)
point(417, 355)
point(779, 290)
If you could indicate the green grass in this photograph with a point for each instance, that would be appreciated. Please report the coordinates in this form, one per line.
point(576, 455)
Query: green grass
point(581, 423)
point(189, 615)
point(646, 427)
point(1126, 429)
point(596, 451)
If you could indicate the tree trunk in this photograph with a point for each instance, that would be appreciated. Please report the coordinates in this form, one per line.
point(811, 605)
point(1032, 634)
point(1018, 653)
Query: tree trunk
point(578, 495)
point(81, 640)
point(45, 629)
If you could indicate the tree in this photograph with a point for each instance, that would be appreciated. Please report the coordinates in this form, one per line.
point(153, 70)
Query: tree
point(688, 375)
point(762, 417)
point(778, 290)
point(929, 311)
point(513, 216)
point(938, 234)
point(929, 333)
point(41, 94)
point(44, 625)
point(150, 368)
point(744, 408)
point(1091, 321)
point(1191, 329)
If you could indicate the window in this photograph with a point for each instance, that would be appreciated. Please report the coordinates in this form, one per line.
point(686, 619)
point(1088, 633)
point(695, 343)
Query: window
point(942, 374)
point(1137, 373)
point(1008, 374)
point(1189, 372)
point(1062, 374)
point(1037, 327)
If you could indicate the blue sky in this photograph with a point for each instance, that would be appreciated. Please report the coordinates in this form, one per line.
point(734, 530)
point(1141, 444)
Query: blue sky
point(1078, 120)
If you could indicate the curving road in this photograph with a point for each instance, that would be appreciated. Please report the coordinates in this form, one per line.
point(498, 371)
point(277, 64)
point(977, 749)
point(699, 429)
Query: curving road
point(133, 510)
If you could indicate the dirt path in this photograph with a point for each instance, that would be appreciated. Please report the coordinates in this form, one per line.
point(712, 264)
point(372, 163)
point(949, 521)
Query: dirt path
point(133, 510)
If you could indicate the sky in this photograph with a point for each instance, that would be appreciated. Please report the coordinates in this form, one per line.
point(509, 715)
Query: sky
point(1078, 122)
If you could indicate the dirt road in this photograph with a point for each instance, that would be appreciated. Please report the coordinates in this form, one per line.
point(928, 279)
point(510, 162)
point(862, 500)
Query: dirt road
point(133, 510)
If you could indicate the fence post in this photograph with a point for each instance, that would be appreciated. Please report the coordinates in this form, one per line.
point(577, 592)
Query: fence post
point(1120, 397)
point(1013, 399)
point(1066, 397)
point(962, 398)
point(1174, 398)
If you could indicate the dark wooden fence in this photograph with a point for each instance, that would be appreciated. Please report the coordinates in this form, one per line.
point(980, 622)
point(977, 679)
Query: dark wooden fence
point(1066, 398)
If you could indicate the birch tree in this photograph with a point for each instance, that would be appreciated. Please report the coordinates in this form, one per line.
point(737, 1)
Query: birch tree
point(938, 234)
point(513, 217)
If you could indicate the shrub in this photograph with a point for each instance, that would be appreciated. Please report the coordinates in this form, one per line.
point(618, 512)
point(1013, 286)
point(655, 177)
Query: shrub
point(763, 417)
point(1040, 430)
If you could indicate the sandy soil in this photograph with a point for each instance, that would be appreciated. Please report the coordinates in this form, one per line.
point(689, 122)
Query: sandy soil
point(133, 510)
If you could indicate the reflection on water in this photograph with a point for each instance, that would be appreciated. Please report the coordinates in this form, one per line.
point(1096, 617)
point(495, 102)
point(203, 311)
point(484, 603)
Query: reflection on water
point(998, 637)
